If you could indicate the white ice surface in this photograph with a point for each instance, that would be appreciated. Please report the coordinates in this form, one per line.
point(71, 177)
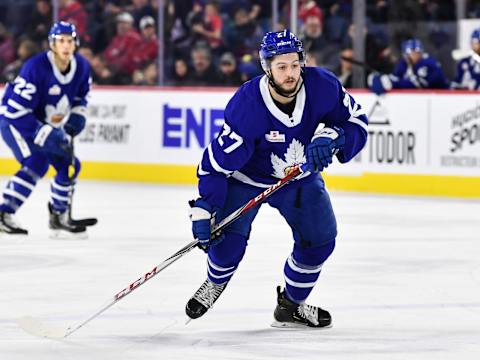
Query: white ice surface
point(403, 282)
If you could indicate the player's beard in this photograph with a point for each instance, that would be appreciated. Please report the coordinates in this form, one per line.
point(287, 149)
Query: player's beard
point(284, 91)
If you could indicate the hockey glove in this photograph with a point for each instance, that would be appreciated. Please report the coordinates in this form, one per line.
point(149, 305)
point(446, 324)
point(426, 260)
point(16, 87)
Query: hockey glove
point(203, 217)
point(379, 84)
point(53, 141)
point(75, 124)
point(324, 145)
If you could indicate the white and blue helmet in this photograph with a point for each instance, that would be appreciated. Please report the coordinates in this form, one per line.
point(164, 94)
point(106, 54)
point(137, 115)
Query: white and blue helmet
point(278, 43)
point(63, 28)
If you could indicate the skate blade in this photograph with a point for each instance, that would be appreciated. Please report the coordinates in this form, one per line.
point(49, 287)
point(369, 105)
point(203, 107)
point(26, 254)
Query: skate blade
point(67, 235)
point(296, 326)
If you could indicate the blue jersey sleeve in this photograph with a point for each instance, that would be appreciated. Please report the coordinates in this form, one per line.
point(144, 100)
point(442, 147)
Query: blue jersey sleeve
point(349, 115)
point(21, 98)
point(81, 98)
point(231, 149)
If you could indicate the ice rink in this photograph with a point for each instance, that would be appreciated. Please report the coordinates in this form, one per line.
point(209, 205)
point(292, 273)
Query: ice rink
point(403, 282)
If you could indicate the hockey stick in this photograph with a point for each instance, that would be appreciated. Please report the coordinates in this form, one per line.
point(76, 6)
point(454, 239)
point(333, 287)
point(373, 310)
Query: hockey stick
point(80, 222)
point(38, 328)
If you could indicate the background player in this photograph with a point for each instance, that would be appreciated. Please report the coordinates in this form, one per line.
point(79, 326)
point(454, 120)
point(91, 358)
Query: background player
point(416, 70)
point(468, 68)
point(45, 105)
point(290, 115)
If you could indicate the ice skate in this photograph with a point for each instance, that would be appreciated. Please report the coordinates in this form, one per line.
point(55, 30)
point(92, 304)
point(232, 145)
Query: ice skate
point(9, 226)
point(292, 315)
point(62, 228)
point(204, 299)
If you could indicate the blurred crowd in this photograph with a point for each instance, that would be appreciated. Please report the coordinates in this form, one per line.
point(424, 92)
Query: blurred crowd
point(215, 42)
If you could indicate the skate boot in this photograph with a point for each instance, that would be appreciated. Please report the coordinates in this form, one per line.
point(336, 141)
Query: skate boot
point(62, 228)
point(8, 225)
point(292, 315)
point(204, 299)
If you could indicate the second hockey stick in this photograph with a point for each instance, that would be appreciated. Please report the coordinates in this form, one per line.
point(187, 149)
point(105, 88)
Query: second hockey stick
point(36, 327)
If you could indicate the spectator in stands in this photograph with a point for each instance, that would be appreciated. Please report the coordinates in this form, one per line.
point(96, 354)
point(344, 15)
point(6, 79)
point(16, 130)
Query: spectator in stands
point(72, 11)
point(228, 72)
point(249, 68)
point(26, 49)
point(181, 73)
point(147, 50)
point(210, 29)
point(336, 25)
point(240, 33)
point(308, 8)
point(120, 53)
point(344, 73)
point(140, 9)
point(313, 39)
point(7, 48)
point(147, 76)
point(204, 73)
point(101, 74)
point(86, 52)
point(40, 23)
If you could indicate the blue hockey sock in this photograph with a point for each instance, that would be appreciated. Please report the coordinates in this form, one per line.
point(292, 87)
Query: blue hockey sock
point(60, 195)
point(302, 270)
point(18, 189)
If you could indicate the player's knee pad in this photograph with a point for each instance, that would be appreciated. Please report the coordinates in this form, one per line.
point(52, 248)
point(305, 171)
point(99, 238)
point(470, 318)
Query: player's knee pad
point(313, 256)
point(36, 163)
point(230, 251)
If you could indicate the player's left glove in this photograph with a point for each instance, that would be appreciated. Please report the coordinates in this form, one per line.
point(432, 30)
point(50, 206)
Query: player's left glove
point(324, 145)
point(203, 217)
point(75, 124)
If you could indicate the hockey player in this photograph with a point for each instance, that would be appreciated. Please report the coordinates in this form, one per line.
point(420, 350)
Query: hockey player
point(416, 70)
point(293, 114)
point(42, 110)
point(468, 68)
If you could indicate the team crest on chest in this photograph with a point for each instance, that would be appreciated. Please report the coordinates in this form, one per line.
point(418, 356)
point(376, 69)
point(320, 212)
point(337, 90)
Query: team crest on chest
point(294, 155)
point(55, 90)
point(275, 136)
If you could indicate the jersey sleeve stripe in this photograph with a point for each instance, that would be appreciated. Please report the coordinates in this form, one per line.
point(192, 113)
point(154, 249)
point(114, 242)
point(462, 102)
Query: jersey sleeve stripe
point(214, 163)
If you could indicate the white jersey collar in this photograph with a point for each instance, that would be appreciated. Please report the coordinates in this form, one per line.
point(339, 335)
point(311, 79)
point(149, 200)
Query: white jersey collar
point(276, 112)
point(62, 79)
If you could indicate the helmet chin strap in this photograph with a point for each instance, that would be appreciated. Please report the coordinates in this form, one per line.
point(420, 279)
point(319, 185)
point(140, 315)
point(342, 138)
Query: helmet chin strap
point(279, 91)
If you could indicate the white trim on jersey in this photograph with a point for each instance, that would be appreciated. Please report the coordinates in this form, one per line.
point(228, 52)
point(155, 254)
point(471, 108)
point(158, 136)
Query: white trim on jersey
point(276, 112)
point(62, 79)
point(214, 163)
point(21, 143)
point(237, 175)
point(21, 110)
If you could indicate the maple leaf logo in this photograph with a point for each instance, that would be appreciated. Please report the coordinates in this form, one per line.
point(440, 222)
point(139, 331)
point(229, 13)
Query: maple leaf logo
point(295, 155)
point(61, 109)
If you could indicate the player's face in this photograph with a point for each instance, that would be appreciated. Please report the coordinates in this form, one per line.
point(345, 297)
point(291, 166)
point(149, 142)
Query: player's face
point(415, 56)
point(286, 71)
point(476, 46)
point(64, 46)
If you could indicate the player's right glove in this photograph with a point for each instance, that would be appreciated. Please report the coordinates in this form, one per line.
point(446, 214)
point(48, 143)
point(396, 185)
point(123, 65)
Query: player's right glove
point(53, 141)
point(75, 124)
point(203, 217)
point(324, 145)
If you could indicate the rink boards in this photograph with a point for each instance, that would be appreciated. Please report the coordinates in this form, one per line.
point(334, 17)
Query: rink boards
point(421, 143)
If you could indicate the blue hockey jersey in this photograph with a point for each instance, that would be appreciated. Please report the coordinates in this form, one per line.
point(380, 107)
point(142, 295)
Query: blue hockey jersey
point(425, 74)
point(259, 142)
point(468, 73)
point(42, 94)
